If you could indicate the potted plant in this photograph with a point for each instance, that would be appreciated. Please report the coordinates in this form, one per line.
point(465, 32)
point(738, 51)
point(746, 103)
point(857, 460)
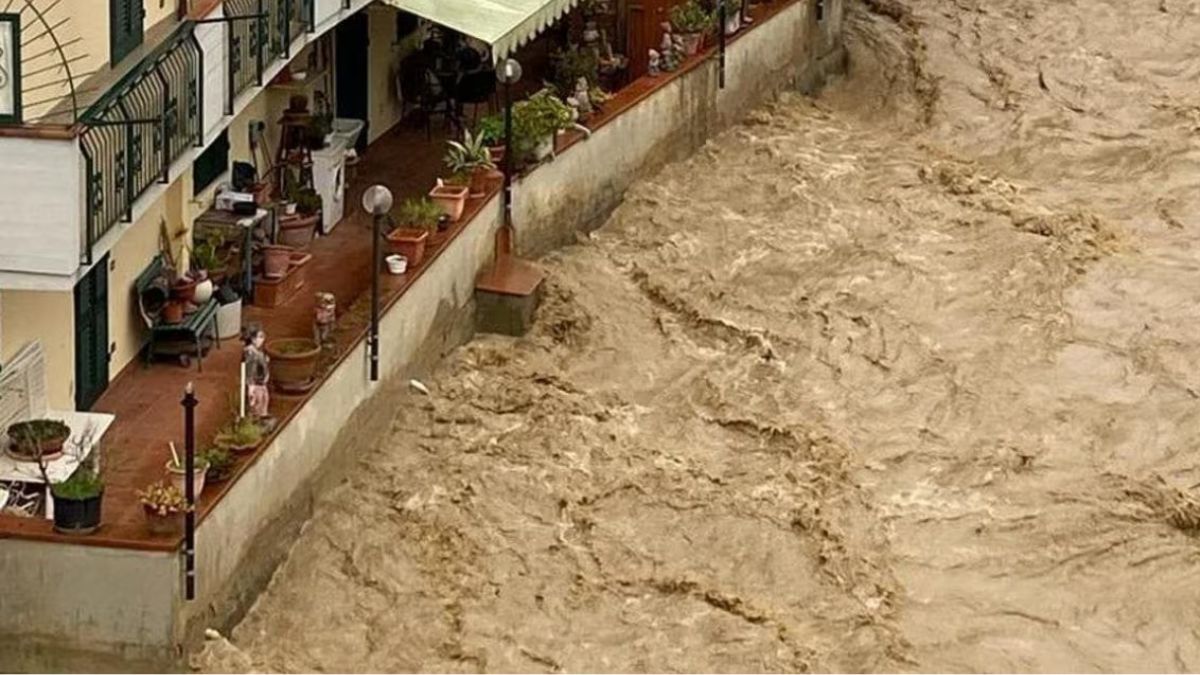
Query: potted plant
point(451, 199)
point(40, 439)
point(77, 501)
point(297, 230)
point(293, 363)
point(178, 473)
point(242, 436)
point(417, 218)
point(690, 22)
point(573, 63)
point(536, 121)
point(471, 157)
point(491, 134)
point(220, 462)
point(276, 261)
point(162, 503)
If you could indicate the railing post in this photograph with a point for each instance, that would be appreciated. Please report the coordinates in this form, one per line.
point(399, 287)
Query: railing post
point(232, 62)
point(165, 171)
point(199, 93)
point(261, 43)
point(129, 173)
point(287, 30)
point(89, 219)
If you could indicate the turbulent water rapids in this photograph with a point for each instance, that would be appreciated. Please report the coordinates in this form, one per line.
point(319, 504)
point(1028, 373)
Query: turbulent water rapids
point(905, 377)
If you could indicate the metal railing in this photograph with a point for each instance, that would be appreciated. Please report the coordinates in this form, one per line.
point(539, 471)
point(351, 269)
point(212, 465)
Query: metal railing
point(245, 28)
point(134, 132)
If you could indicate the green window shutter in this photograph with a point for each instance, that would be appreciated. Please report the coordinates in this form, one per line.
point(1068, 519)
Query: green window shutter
point(211, 163)
point(125, 27)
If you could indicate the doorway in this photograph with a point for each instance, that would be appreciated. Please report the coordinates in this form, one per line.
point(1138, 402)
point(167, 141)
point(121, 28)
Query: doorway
point(352, 61)
point(91, 335)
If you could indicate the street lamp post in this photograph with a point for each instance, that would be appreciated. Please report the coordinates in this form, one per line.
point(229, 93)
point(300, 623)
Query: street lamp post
point(377, 201)
point(509, 74)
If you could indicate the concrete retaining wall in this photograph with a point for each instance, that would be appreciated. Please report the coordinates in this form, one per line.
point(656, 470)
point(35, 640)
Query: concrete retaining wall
point(128, 603)
point(581, 187)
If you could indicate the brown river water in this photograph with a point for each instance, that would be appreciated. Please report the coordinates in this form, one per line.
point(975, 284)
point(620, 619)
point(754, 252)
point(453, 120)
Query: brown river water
point(903, 377)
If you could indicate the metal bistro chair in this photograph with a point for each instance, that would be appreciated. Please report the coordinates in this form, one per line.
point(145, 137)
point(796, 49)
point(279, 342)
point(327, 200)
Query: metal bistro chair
point(477, 88)
point(421, 89)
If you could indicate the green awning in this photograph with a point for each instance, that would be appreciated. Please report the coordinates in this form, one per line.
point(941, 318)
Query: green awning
point(503, 24)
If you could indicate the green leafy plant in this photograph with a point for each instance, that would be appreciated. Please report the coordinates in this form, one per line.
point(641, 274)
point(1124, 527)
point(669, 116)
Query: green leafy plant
point(419, 214)
point(162, 499)
point(243, 432)
point(308, 202)
point(220, 462)
point(537, 117)
point(206, 253)
point(491, 130)
point(573, 63)
point(690, 17)
point(84, 483)
point(468, 155)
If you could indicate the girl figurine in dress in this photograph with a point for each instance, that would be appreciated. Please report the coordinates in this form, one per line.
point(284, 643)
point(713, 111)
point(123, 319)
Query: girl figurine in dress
point(258, 373)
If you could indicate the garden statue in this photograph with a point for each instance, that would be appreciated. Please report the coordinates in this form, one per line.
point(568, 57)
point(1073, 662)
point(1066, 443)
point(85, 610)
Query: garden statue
point(258, 372)
point(670, 50)
point(581, 100)
point(324, 314)
point(653, 69)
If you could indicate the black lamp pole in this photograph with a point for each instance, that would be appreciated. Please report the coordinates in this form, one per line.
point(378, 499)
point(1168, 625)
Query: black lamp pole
point(721, 18)
point(375, 297)
point(189, 490)
point(509, 150)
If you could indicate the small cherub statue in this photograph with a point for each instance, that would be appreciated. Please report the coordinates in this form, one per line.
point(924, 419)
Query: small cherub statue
point(258, 373)
point(581, 100)
point(654, 68)
point(324, 315)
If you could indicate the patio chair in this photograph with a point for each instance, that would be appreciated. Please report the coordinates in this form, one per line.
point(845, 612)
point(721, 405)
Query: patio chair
point(477, 88)
point(421, 88)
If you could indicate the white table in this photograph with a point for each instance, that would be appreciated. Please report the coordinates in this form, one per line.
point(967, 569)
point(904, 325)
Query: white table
point(87, 429)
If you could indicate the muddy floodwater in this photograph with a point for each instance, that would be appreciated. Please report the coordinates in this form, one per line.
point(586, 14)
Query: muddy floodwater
point(904, 377)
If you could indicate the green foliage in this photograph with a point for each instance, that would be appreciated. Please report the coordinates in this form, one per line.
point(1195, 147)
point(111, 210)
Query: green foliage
point(308, 202)
point(84, 483)
point(419, 214)
point(541, 115)
point(205, 254)
point(28, 437)
point(570, 65)
point(464, 157)
point(690, 17)
point(241, 433)
point(491, 130)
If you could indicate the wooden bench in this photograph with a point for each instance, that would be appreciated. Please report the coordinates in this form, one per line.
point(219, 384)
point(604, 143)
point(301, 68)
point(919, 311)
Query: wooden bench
point(193, 328)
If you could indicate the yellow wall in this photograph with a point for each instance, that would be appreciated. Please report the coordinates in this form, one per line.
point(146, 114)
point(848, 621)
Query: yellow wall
point(48, 316)
point(384, 56)
point(129, 258)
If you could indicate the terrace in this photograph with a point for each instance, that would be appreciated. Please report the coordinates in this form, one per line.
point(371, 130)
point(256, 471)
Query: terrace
point(146, 401)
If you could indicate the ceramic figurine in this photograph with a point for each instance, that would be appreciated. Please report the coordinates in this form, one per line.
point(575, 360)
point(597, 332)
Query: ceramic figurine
point(324, 315)
point(653, 69)
point(258, 373)
point(581, 100)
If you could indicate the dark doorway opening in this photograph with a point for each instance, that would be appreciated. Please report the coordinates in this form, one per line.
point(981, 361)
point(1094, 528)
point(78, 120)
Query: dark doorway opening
point(352, 58)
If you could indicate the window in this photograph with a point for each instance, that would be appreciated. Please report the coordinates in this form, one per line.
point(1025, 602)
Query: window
point(125, 27)
point(211, 164)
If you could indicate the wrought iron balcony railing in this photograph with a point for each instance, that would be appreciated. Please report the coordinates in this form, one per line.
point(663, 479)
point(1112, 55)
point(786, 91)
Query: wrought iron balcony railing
point(134, 132)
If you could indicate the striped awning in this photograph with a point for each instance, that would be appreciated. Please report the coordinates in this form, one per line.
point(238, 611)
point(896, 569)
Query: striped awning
point(503, 24)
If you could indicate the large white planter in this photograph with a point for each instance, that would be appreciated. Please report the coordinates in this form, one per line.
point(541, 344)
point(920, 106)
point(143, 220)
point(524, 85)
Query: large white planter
point(229, 320)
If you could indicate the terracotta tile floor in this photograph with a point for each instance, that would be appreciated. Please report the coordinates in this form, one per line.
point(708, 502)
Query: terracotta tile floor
point(146, 401)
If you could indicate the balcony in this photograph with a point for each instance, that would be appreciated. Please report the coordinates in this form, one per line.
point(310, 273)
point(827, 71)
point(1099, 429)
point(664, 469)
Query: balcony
point(134, 133)
point(68, 187)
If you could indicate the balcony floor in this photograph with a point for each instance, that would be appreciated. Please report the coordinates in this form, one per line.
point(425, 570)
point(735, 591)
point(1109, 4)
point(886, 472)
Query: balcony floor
point(146, 401)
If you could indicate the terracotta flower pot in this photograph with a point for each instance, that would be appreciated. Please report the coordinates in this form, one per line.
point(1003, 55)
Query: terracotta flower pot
point(452, 199)
point(479, 182)
point(297, 232)
point(691, 43)
point(293, 363)
point(172, 523)
point(276, 260)
point(409, 243)
point(177, 478)
point(184, 289)
point(172, 312)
